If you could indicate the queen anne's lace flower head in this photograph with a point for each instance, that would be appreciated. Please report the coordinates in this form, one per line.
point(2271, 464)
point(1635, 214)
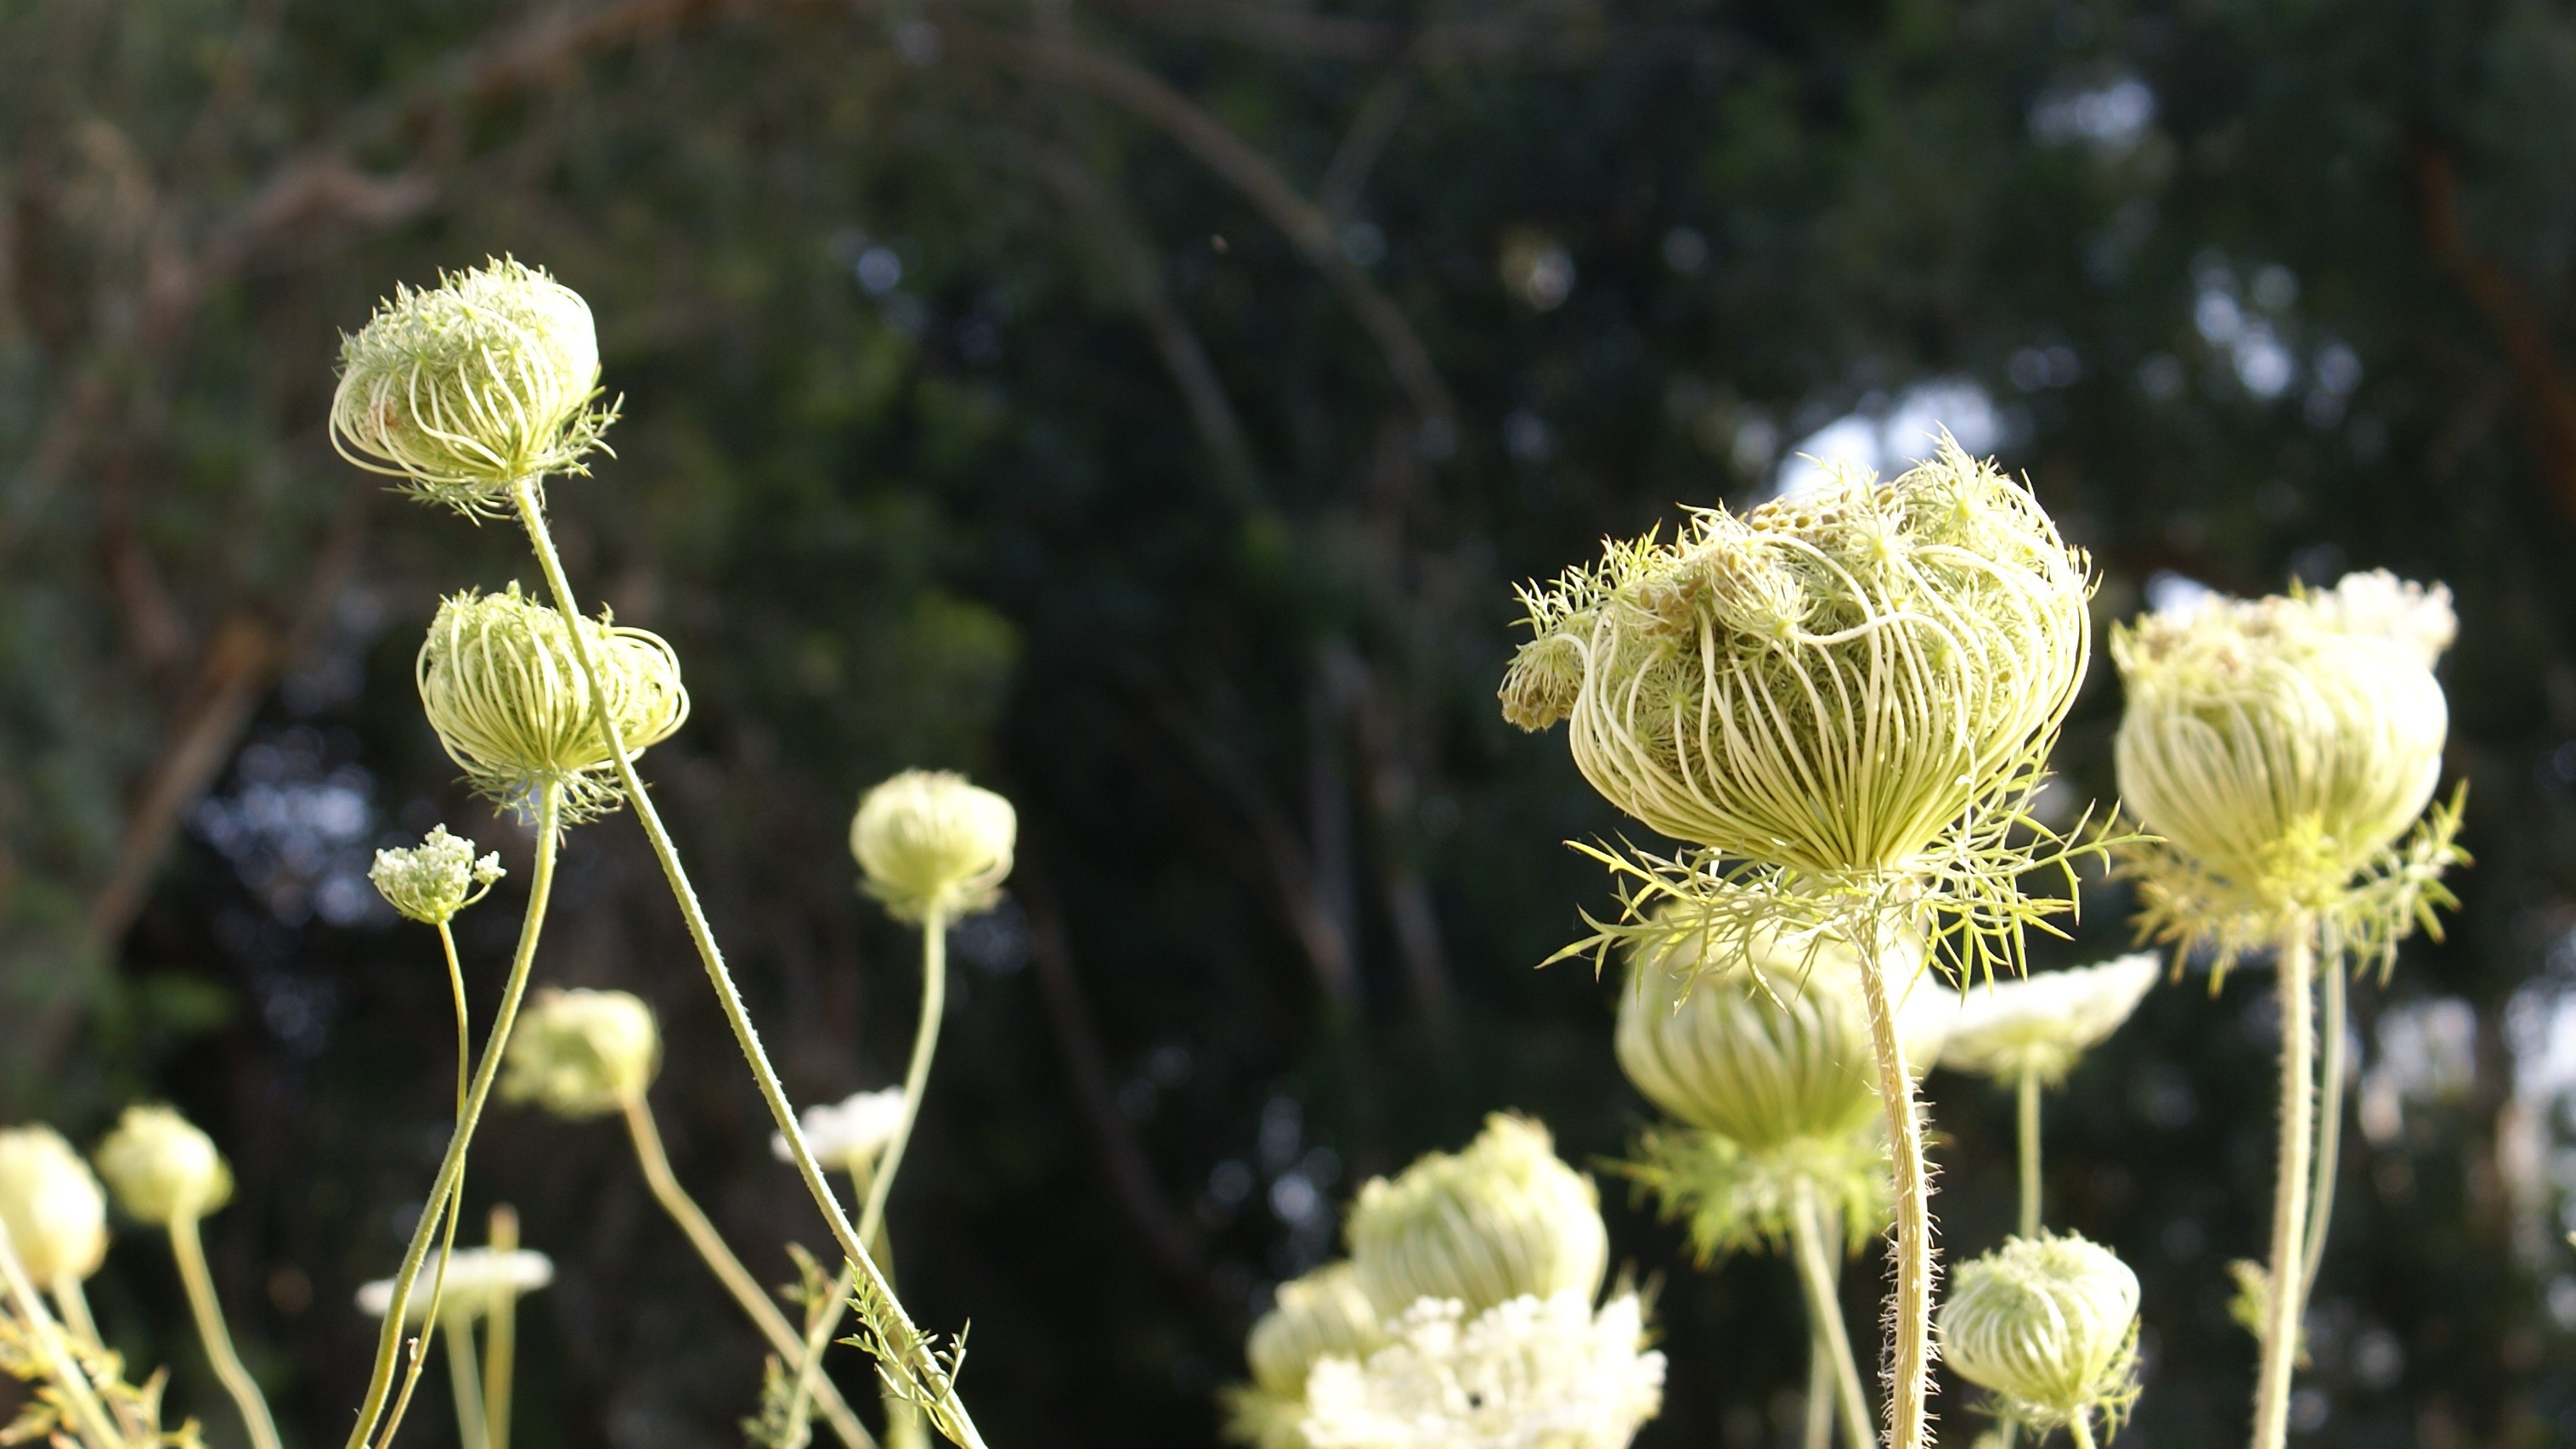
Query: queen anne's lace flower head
point(847, 1135)
point(52, 1206)
point(1321, 1314)
point(2380, 605)
point(2043, 1022)
point(581, 1054)
point(1499, 1220)
point(2049, 1325)
point(1528, 1373)
point(477, 1279)
point(161, 1167)
point(470, 387)
point(510, 702)
point(432, 881)
point(929, 842)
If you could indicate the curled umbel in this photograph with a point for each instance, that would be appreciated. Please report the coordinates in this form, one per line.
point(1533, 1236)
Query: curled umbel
point(2049, 1325)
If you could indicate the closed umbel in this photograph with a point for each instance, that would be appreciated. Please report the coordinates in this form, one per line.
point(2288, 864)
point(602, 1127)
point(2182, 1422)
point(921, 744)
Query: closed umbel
point(1501, 1219)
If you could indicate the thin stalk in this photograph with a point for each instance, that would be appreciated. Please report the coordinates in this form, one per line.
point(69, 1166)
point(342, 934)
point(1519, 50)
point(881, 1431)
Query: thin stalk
point(2330, 1072)
point(826, 1317)
point(45, 1343)
point(190, 1250)
point(908, 1343)
point(2290, 1188)
point(451, 1169)
point(746, 1290)
point(2082, 1431)
point(431, 1314)
point(473, 1426)
point(464, 1037)
point(903, 1422)
point(74, 1305)
point(501, 1334)
point(1819, 1432)
point(1909, 1364)
point(1831, 1340)
point(2028, 1092)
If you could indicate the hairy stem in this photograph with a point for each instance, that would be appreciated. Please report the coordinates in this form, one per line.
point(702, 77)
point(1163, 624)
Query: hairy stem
point(909, 1347)
point(45, 1343)
point(1909, 1360)
point(2330, 1073)
point(2290, 1187)
point(746, 1290)
point(2027, 1090)
point(473, 1427)
point(449, 1186)
point(1830, 1340)
point(74, 1305)
point(190, 1250)
point(501, 1334)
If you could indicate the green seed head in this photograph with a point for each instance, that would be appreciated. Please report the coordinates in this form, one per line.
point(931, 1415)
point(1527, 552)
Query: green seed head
point(1501, 1219)
point(161, 1167)
point(432, 881)
point(930, 842)
point(2049, 1325)
point(52, 1206)
point(470, 387)
point(582, 1054)
point(501, 685)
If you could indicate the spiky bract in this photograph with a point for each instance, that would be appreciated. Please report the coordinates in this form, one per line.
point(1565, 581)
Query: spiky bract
point(1735, 1199)
point(1499, 1220)
point(2049, 1326)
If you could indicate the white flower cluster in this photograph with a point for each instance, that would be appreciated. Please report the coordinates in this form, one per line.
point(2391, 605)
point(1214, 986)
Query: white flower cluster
point(1530, 1373)
point(847, 1134)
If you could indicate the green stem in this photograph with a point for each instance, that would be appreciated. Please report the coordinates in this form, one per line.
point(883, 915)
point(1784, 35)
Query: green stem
point(1909, 1361)
point(2330, 1073)
point(44, 1342)
point(464, 1035)
point(451, 1169)
point(1819, 1433)
point(908, 1347)
point(2280, 1341)
point(1831, 1341)
point(473, 1427)
point(2082, 1431)
point(430, 1315)
point(755, 1304)
point(74, 1304)
point(501, 1333)
point(2028, 1092)
point(191, 1253)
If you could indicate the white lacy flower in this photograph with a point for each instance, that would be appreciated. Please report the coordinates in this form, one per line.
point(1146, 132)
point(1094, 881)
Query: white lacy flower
point(1532, 1373)
point(475, 1277)
point(2044, 1021)
point(848, 1134)
point(2380, 605)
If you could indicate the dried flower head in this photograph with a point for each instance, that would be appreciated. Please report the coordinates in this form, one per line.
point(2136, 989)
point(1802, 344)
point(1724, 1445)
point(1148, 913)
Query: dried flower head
point(581, 1054)
point(1321, 1314)
point(1527, 1373)
point(2282, 747)
point(477, 1280)
point(931, 843)
point(2049, 1325)
point(472, 386)
point(432, 881)
point(161, 1167)
point(2045, 1021)
point(1848, 694)
point(52, 1205)
point(847, 1135)
point(1499, 1220)
point(510, 701)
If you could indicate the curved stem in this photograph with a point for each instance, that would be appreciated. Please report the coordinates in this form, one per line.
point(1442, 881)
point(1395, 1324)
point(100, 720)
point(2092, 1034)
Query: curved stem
point(500, 1334)
point(473, 1427)
point(1830, 1340)
point(911, 1351)
point(746, 1290)
point(2290, 1187)
point(464, 1035)
point(2028, 1092)
point(191, 1253)
point(1909, 1370)
point(449, 1185)
point(45, 1346)
point(74, 1305)
point(2330, 1074)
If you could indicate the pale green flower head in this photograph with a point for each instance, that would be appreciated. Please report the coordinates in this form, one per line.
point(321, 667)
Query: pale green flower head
point(930, 843)
point(52, 1206)
point(478, 1280)
point(581, 1054)
point(2049, 1325)
point(500, 683)
point(432, 881)
point(1319, 1315)
point(161, 1167)
point(2278, 752)
point(470, 387)
point(1528, 1373)
point(1501, 1219)
point(2046, 1021)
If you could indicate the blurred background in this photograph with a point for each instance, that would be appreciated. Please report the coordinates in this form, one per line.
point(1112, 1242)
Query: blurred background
point(1147, 407)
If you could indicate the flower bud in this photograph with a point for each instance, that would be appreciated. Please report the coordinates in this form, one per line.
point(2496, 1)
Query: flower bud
point(2050, 1325)
point(501, 685)
point(478, 1279)
point(932, 844)
point(432, 881)
point(52, 1205)
point(161, 1167)
point(1322, 1313)
point(580, 1054)
point(1502, 1219)
point(847, 1135)
point(2043, 1022)
point(1768, 1042)
point(468, 388)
